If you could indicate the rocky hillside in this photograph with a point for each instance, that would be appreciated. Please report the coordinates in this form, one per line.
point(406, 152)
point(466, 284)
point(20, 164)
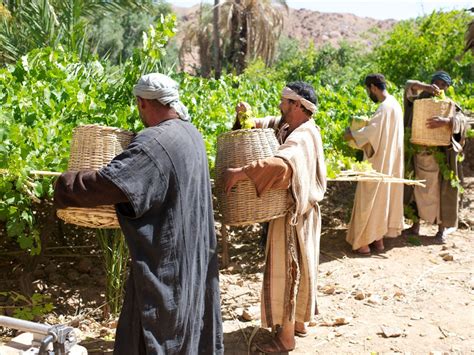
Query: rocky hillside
point(322, 27)
point(319, 27)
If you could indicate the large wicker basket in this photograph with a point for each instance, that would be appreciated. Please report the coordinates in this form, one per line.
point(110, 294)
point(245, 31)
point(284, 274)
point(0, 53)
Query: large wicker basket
point(93, 147)
point(424, 109)
point(242, 206)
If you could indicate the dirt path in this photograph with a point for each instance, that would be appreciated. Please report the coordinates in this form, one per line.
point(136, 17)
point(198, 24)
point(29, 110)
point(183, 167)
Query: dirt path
point(424, 301)
point(416, 294)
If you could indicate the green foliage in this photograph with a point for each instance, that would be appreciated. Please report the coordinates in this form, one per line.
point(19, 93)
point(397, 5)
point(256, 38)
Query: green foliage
point(415, 49)
point(116, 37)
point(115, 255)
point(46, 93)
point(29, 308)
point(43, 96)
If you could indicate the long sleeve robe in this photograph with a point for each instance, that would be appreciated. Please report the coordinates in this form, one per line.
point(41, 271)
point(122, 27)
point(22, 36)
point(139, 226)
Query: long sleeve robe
point(292, 250)
point(378, 207)
point(438, 202)
point(161, 187)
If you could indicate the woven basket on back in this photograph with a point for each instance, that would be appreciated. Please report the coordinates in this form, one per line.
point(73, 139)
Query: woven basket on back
point(93, 147)
point(424, 109)
point(242, 206)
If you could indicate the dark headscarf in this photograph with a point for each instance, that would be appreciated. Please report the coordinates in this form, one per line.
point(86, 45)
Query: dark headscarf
point(442, 75)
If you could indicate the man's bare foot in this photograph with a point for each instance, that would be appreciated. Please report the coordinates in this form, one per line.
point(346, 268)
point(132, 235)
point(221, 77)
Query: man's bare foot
point(364, 250)
point(276, 345)
point(300, 329)
point(378, 245)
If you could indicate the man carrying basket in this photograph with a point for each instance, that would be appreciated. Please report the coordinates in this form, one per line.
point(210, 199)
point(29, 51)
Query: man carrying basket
point(161, 189)
point(438, 203)
point(292, 251)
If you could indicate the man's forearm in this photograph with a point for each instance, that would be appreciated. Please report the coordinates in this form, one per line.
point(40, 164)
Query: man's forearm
point(86, 189)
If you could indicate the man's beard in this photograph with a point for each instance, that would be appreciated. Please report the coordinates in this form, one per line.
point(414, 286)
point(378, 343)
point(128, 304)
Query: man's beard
point(373, 97)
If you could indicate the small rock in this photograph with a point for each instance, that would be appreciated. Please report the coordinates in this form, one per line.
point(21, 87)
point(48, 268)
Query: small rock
point(399, 294)
point(359, 295)
point(233, 267)
point(416, 317)
point(390, 332)
point(312, 323)
point(448, 257)
point(356, 275)
point(422, 335)
point(250, 313)
point(329, 289)
point(444, 247)
point(342, 320)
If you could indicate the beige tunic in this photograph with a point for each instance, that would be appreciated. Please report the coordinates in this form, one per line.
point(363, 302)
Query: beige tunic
point(292, 252)
point(378, 207)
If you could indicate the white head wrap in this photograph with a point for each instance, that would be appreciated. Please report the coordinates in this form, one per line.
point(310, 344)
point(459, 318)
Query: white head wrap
point(160, 87)
point(287, 93)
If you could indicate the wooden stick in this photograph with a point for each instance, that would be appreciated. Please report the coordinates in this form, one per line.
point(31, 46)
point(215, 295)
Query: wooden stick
point(44, 173)
point(381, 179)
point(225, 246)
point(35, 172)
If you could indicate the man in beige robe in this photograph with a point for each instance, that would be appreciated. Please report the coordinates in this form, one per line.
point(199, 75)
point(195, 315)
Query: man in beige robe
point(438, 203)
point(292, 250)
point(378, 206)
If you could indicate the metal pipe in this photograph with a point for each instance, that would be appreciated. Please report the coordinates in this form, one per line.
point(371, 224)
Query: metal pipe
point(24, 325)
point(43, 350)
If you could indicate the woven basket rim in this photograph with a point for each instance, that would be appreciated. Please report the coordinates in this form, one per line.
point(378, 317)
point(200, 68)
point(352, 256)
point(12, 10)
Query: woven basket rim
point(245, 131)
point(253, 221)
point(70, 215)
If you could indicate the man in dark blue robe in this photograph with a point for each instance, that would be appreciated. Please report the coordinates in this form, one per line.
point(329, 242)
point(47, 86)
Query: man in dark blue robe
point(161, 189)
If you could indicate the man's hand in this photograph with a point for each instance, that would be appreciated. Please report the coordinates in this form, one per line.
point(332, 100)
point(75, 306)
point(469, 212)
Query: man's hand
point(231, 177)
point(348, 134)
point(240, 107)
point(437, 121)
point(432, 89)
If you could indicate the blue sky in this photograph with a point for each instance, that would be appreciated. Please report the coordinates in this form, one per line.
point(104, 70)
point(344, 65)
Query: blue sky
point(380, 9)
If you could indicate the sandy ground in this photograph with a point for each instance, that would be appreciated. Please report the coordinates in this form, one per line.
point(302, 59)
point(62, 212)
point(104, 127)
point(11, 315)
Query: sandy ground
point(416, 297)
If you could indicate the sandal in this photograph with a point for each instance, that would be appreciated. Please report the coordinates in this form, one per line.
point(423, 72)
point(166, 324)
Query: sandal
point(362, 253)
point(301, 333)
point(273, 346)
point(378, 245)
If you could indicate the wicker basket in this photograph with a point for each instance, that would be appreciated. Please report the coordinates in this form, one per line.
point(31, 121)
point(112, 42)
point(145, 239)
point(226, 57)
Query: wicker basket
point(424, 109)
point(242, 206)
point(93, 147)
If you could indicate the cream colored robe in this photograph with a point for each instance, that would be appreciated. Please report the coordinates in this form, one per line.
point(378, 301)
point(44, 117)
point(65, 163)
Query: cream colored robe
point(378, 207)
point(292, 252)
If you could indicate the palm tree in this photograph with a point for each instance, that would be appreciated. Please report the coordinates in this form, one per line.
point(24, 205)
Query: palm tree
point(40, 23)
point(253, 27)
point(216, 40)
point(248, 29)
point(199, 34)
